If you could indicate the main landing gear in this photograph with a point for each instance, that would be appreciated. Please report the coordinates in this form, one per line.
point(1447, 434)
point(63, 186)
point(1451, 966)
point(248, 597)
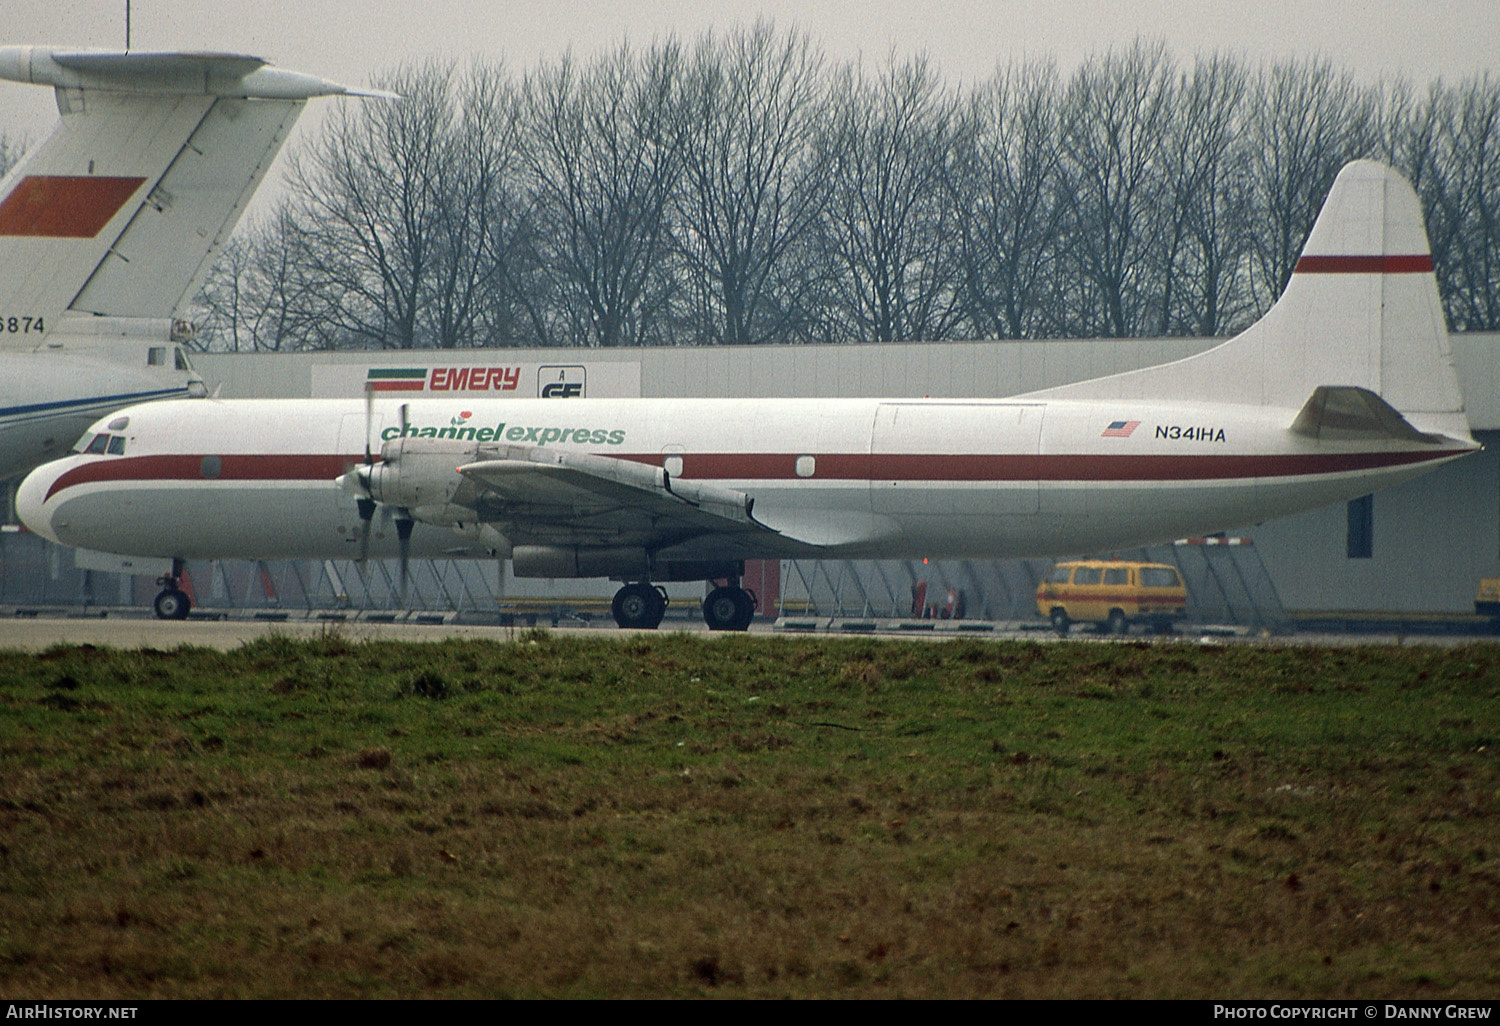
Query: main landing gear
point(172, 603)
point(642, 605)
point(729, 608)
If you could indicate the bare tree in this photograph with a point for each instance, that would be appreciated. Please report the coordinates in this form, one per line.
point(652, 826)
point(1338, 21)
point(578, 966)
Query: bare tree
point(1003, 185)
point(479, 234)
point(753, 181)
point(265, 294)
point(1201, 280)
point(1471, 268)
point(604, 161)
point(369, 196)
point(1114, 116)
point(748, 193)
point(1309, 121)
point(890, 230)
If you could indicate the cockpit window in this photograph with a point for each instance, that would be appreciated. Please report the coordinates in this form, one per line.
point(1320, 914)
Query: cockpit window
point(98, 445)
point(180, 359)
point(117, 445)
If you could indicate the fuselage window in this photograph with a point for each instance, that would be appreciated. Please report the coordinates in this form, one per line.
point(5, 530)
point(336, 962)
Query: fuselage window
point(156, 356)
point(117, 445)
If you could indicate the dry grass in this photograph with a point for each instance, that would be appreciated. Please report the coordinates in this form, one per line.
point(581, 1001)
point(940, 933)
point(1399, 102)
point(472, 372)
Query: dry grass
point(674, 816)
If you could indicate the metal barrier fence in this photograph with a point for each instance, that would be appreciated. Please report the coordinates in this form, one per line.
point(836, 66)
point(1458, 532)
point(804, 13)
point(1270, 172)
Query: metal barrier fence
point(1227, 583)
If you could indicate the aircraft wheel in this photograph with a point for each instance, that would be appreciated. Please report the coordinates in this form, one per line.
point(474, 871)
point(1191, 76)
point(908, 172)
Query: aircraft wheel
point(728, 609)
point(172, 604)
point(1060, 622)
point(639, 607)
point(1117, 624)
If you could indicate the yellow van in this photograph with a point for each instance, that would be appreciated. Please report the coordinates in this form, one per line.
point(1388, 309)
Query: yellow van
point(1113, 594)
point(1487, 601)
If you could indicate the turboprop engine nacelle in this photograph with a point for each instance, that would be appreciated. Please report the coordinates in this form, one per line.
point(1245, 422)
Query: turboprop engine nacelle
point(414, 472)
point(617, 561)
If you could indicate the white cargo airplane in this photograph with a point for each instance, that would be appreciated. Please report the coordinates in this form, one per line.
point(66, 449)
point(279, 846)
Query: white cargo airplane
point(108, 226)
point(1345, 386)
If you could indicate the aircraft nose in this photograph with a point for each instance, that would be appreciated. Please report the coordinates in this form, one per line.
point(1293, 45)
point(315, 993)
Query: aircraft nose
point(31, 499)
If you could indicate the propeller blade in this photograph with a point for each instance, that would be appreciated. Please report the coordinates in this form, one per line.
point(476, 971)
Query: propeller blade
point(366, 507)
point(369, 423)
point(404, 524)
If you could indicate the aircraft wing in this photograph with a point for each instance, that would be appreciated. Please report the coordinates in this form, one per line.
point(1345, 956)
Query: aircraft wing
point(544, 495)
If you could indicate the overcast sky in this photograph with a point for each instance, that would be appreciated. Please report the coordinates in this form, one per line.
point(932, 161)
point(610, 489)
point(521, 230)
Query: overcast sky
point(352, 40)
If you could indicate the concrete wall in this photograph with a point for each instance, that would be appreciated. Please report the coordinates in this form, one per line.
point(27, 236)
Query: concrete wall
point(1434, 538)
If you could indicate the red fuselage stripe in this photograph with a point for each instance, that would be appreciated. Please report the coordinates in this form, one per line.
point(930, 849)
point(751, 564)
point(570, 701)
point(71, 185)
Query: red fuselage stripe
point(783, 467)
point(1416, 263)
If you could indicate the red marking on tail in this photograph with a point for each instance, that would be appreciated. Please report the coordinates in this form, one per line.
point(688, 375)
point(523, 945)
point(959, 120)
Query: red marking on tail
point(64, 206)
point(1416, 263)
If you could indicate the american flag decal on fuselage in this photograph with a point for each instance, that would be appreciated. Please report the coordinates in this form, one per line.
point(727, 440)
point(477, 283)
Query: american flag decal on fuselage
point(1120, 429)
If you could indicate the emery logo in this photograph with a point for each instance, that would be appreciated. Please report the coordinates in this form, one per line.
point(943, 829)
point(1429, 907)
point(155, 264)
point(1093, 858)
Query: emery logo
point(443, 379)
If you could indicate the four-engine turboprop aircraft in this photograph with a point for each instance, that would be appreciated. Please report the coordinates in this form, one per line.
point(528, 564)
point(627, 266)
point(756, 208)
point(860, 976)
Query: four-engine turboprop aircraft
point(1345, 386)
point(108, 226)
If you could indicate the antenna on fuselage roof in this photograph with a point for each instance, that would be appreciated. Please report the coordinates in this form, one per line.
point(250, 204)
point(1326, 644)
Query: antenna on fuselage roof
point(127, 26)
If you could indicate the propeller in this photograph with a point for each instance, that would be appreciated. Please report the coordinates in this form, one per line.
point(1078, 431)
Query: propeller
point(404, 525)
point(359, 479)
point(365, 504)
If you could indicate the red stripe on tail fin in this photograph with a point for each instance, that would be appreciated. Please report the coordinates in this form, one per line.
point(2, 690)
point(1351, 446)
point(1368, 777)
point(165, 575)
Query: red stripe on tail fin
point(64, 206)
point(1417, 263)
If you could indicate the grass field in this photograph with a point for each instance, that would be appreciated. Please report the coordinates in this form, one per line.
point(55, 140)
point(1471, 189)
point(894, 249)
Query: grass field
point(742, 816)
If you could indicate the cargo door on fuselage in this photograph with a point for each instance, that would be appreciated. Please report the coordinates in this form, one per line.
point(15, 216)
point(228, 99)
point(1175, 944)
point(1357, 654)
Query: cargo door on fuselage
point(947, 459)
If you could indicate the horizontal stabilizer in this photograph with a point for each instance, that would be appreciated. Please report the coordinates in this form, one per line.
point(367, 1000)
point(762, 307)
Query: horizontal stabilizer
point(166, 74)
point(1336, 413)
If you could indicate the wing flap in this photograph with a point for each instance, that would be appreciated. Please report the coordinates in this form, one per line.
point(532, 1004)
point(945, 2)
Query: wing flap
point(556, 489)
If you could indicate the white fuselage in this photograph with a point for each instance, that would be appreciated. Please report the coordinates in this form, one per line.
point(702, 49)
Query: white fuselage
point(865, 478)
point(48, 399)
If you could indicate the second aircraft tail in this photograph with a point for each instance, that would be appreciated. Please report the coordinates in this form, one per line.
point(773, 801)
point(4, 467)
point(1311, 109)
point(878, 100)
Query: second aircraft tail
point(119, 211)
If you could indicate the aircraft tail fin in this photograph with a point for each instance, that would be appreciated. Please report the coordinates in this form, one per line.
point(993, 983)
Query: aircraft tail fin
point(1360, 313)
point(121, 209)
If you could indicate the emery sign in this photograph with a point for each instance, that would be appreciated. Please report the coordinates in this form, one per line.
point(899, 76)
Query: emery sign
point(480, 379)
